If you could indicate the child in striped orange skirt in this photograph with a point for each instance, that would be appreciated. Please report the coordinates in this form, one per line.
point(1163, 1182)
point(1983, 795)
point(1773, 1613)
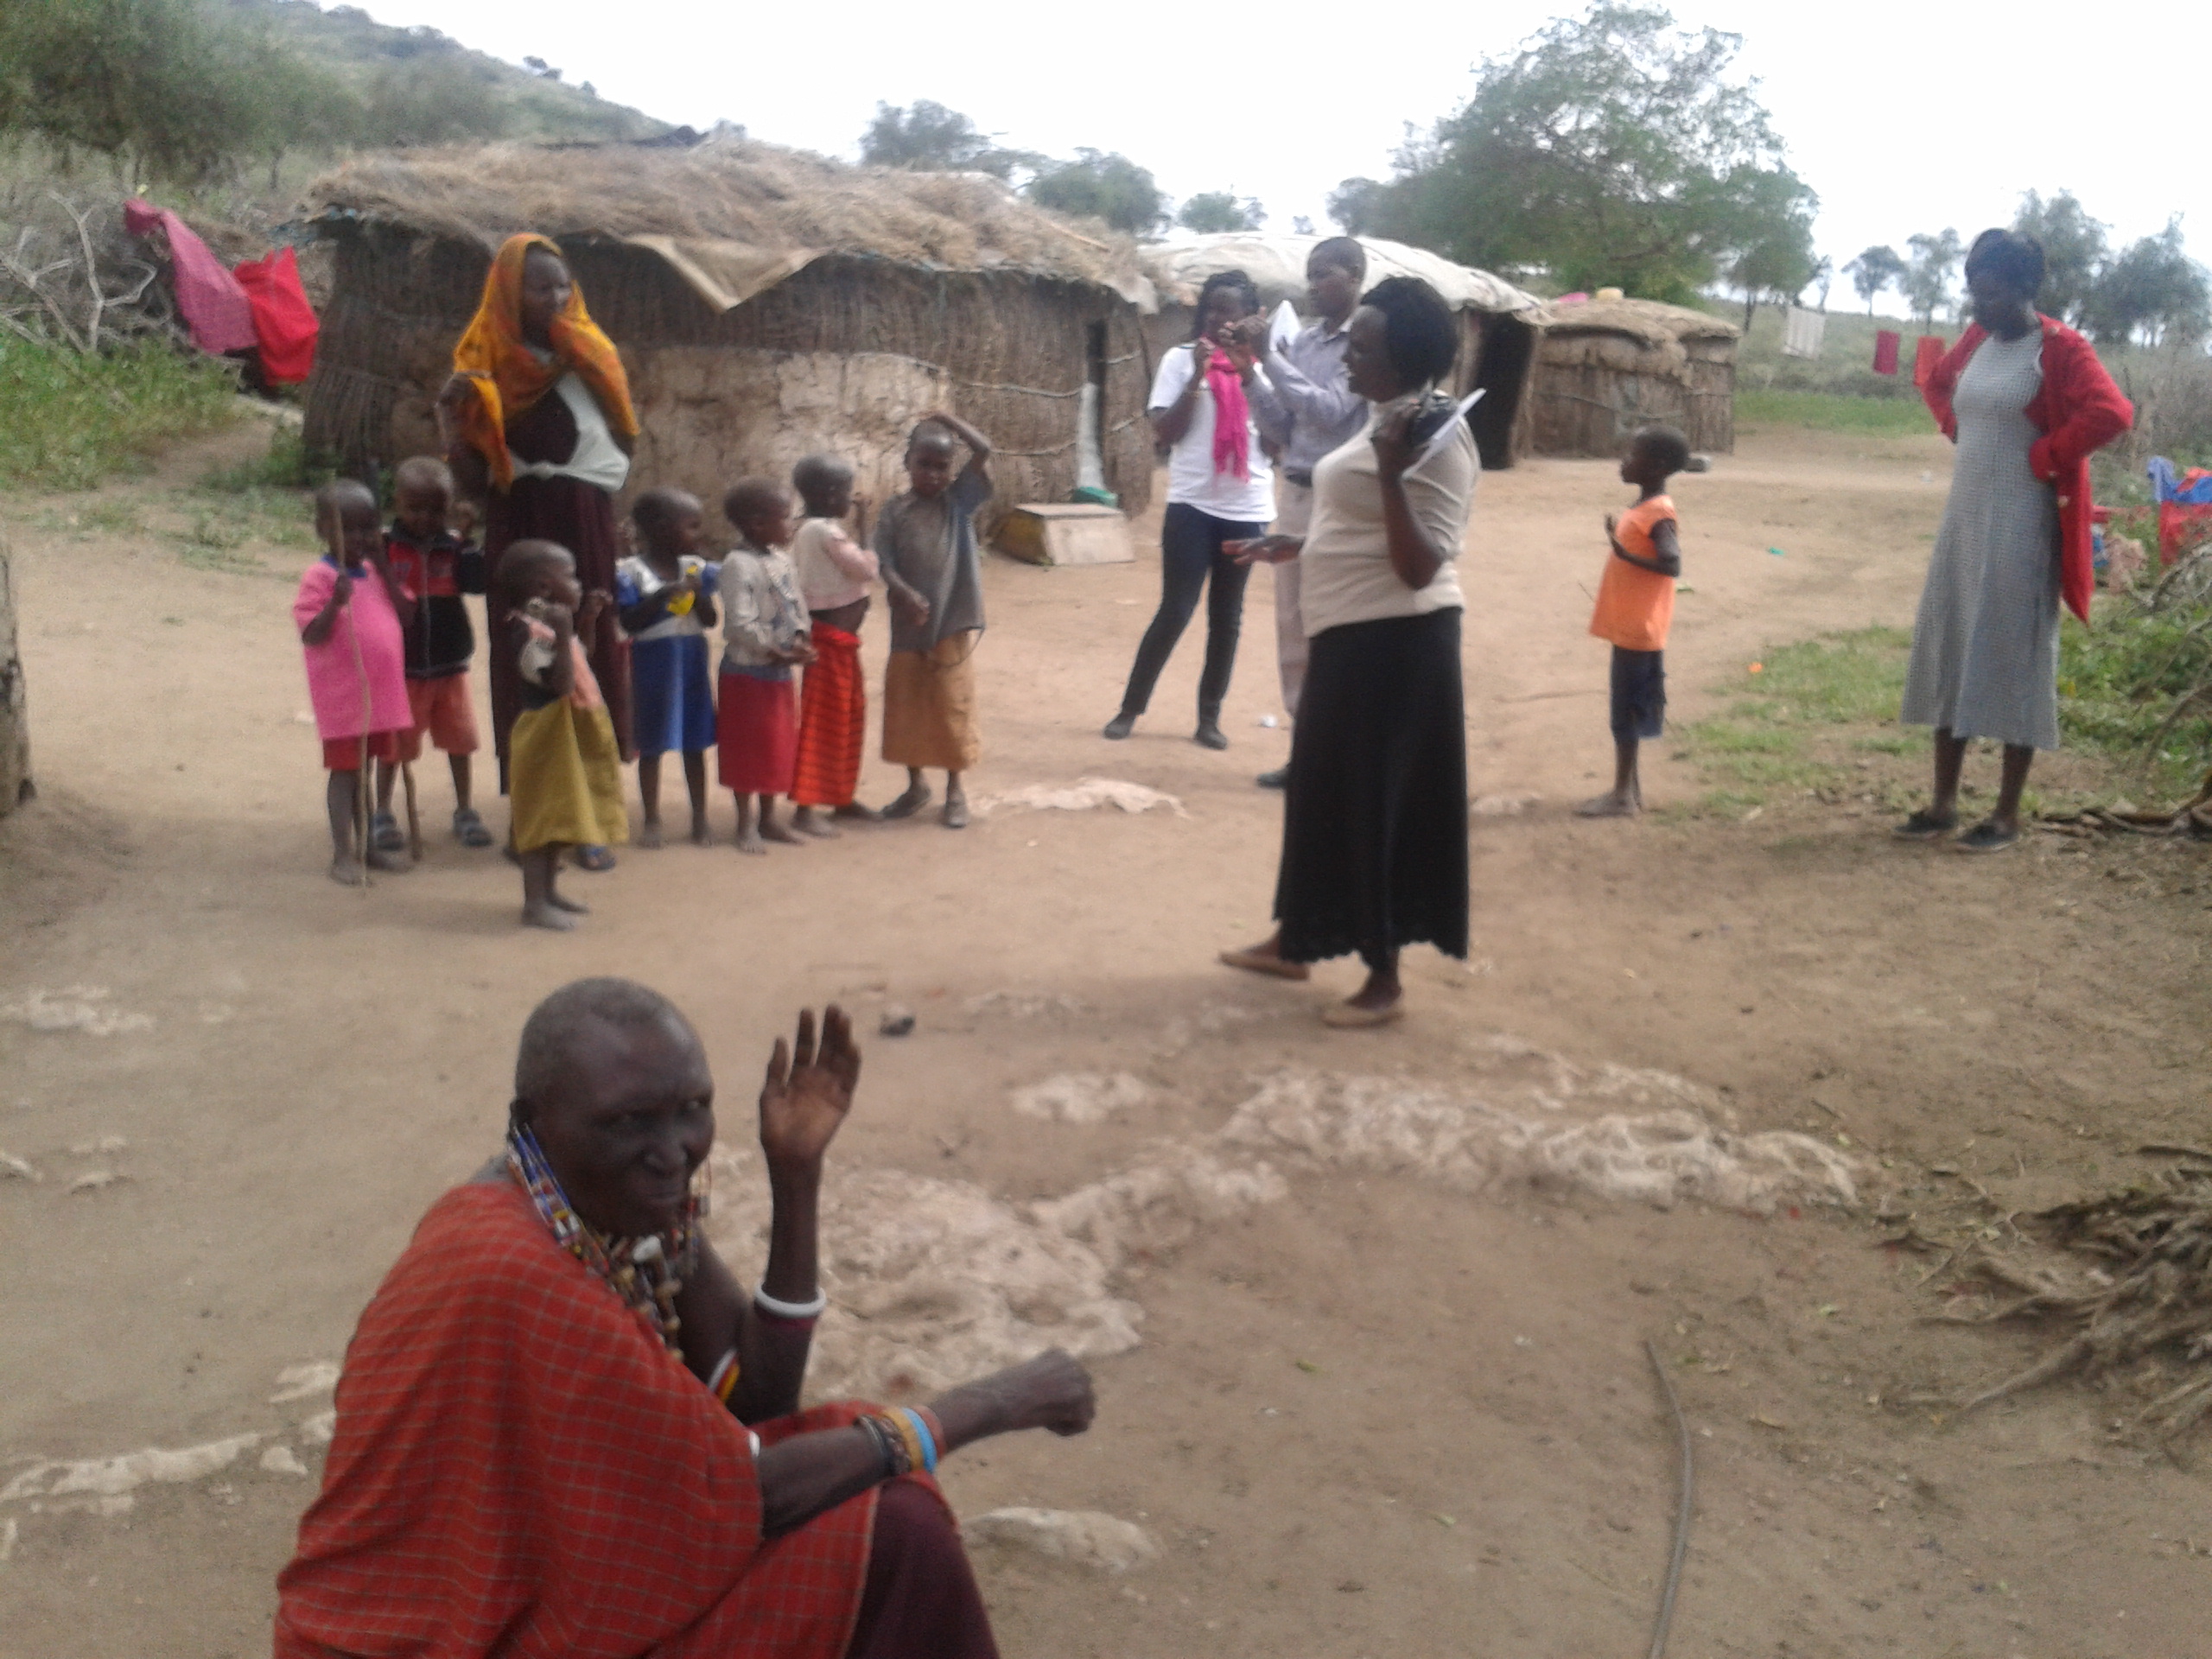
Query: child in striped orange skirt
point(834, 573)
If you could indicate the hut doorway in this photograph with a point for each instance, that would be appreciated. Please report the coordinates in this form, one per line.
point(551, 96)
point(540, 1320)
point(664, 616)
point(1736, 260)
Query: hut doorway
point(1508, 349)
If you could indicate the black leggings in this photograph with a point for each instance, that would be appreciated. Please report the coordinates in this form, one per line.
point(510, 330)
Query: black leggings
point(1190, 553)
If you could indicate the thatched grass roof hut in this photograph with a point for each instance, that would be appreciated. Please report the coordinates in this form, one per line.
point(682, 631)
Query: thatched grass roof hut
point(766, 302)
point(1605, 367)
point(1496, 342)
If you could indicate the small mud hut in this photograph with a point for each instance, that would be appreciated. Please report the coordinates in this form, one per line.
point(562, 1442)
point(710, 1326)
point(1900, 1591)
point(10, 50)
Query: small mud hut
point(1496, 344)
point(1605, 367)
point(767, 303)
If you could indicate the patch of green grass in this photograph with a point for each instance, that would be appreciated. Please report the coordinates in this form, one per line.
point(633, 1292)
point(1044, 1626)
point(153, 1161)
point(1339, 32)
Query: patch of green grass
point(288, 465)
point(69, 421)
point(1828, 411)
point(1779, 730)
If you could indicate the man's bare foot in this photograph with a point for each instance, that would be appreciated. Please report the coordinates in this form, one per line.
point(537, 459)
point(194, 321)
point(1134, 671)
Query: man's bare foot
point(573, 907)
point(748, 841)
point(649, 834)
point(782, 834)
point(1265, 957)
point(1378, 1002)
point(345, 870)
point(701, 835)
point(855, 811)
point(808, 822)
point(917, 796)
point(390, 863)
point(547, 916)
point(1611, 804)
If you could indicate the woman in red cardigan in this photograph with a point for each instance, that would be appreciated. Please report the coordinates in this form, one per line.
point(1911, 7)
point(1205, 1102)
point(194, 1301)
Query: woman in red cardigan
point(2026, 401)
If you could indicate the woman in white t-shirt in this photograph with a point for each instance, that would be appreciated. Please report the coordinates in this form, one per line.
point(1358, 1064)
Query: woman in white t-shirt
point(1374, 813)
point(1220, 489)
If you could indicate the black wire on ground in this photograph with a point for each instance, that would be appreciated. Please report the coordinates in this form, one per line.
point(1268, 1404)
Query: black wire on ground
point(1681, 1513)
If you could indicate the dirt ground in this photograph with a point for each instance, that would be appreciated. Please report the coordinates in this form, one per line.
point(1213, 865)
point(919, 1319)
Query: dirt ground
point(1376, 1410)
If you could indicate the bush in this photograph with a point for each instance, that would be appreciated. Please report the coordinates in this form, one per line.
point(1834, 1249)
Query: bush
point(67, 422)
point(2139, 683)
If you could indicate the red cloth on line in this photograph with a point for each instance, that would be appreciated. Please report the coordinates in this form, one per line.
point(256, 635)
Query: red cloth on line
point(1925, 356)
point(2079, 410)
point(283, 323)
point(832, 721)
point(1886, 341)
point(520, 1468)
point(215, 308)
point(756, 734)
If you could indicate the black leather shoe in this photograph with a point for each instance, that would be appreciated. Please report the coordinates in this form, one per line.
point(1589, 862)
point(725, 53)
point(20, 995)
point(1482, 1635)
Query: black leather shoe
point(1278, 778)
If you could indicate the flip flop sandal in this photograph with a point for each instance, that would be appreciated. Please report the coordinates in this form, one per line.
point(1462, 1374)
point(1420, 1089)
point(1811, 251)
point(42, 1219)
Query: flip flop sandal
point(597, 860)
point(1253, 962)
point(1986, 838)
point(468, 829)
point(384, 834)
point(1345, 1017)
point(1924, 826)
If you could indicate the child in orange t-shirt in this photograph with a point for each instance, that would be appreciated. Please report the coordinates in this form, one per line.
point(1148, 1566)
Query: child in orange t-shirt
point(1636, 601)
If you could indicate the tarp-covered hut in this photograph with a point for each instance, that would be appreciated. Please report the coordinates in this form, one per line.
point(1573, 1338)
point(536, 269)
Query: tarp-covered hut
point(766, 302)
point(1605, 367)
point(1496, 344)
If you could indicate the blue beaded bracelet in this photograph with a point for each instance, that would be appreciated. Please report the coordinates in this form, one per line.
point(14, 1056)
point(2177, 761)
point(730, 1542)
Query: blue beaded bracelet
point(929, 1441)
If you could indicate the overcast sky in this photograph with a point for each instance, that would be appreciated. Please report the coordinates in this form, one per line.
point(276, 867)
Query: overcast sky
point(1904, 115)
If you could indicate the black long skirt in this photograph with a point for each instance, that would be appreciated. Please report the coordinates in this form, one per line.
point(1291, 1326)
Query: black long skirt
point(1375, 817)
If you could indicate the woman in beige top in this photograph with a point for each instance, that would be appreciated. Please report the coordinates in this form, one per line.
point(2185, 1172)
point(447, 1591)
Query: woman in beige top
point(1375, 816)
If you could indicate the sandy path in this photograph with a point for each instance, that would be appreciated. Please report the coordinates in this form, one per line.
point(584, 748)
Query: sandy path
point(321, 1064)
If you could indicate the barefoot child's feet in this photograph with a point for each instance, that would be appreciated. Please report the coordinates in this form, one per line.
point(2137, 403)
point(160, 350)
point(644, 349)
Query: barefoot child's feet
point(562, 901)
point(649, 834)
point(809, 821)
point(345, 870)
point(548, 915)
point(701, 835)
point(1611, 804)
point(782, 834)
point(860, 814)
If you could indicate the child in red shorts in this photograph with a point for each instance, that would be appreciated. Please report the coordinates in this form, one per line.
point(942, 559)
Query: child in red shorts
point(350, 612)
point(436, 567)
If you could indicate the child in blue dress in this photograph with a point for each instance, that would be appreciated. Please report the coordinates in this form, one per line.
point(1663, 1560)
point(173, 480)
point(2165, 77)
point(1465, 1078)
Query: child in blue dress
point(664, 594)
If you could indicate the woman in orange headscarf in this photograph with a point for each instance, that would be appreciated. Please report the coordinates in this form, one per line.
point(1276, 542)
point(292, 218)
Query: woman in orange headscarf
point(537, 419)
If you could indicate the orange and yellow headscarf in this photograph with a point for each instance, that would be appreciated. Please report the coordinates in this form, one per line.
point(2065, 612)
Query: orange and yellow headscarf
point(510, 377)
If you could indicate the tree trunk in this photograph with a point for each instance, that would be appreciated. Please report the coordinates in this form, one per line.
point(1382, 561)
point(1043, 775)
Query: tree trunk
point(15, 714)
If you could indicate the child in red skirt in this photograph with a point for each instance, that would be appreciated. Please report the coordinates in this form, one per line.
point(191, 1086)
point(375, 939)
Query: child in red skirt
point(764, 635)
point(350, 612)
point(834, 573)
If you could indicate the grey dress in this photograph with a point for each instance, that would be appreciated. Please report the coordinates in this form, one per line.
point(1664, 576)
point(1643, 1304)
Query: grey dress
point(1985, 646)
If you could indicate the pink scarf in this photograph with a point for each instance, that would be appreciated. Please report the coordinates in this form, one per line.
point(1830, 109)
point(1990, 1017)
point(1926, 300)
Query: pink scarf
point(1232, 418)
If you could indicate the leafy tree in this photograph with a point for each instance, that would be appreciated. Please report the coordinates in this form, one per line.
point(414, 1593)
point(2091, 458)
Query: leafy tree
point(1356, 205)
point(1769, 232)
point(927, 137)
point(1874, 269)
point(1926, 282)
point(2152, 293)
point(1215, 210)
point(2073, 251)
point(166, 88)
point(1099, 184)
point(1606, 148)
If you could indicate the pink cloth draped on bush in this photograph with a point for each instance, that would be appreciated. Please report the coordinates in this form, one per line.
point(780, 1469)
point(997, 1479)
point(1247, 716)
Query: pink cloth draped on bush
point(215, 308)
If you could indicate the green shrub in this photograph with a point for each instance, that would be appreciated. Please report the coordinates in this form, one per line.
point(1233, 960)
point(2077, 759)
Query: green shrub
point(67, 422)
point(2121, 682)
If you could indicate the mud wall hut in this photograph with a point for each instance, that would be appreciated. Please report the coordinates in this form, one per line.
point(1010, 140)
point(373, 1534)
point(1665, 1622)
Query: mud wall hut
point(1496, 342)
point(1605, 367)
point(767, 303)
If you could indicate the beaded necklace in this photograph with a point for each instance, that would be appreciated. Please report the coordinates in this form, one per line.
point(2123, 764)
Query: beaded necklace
point(646, 1273)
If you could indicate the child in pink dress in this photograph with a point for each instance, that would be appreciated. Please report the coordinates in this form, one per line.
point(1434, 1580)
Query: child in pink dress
point(351, 611)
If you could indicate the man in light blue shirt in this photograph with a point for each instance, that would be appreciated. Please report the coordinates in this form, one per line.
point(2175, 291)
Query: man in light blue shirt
point(1307, 377)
